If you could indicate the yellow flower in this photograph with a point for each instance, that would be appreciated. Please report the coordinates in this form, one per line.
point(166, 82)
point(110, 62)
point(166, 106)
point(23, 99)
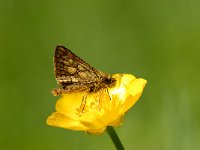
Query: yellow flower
point(95, 111)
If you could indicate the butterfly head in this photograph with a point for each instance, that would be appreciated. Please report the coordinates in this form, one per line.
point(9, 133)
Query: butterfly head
point(110, 81)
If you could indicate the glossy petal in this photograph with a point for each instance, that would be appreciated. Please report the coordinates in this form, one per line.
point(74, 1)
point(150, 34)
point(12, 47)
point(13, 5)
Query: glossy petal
point(60, 120)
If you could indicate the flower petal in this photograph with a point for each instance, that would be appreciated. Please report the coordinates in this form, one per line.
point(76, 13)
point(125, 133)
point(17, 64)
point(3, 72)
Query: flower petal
point(96, 131)
point(60, 120)
point(135, 89)
point(69, 103)
point(109, 114)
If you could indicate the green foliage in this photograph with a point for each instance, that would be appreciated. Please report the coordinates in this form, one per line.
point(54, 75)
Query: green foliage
point(156, 40)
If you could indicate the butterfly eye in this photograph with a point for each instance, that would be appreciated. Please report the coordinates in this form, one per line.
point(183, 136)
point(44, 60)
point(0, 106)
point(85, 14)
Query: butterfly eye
point(107, 80)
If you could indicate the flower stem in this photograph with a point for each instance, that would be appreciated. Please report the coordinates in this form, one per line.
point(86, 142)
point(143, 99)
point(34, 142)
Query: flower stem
point(114, 137)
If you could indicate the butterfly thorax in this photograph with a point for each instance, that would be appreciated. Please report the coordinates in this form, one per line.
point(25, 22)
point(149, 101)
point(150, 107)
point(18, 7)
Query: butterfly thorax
point(105, 83)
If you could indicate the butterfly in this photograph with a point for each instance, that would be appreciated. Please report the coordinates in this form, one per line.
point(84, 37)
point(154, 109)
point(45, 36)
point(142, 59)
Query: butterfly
point(75, 75)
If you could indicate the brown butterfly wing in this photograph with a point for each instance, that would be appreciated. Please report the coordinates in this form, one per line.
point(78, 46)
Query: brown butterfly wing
point(71, 70)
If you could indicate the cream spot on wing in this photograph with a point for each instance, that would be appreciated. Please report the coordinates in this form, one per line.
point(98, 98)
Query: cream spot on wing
point(82, 74)
point(71, 70)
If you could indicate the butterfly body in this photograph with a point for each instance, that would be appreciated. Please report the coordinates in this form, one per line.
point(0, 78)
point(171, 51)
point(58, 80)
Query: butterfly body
point(75, 75)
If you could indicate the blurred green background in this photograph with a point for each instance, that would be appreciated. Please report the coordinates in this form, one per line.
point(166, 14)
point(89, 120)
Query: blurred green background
point(157, 40)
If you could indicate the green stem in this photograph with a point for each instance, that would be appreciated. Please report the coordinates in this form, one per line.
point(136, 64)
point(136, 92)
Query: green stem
point(114, 137)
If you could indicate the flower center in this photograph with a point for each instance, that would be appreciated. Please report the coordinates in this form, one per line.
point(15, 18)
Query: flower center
point(89, 102)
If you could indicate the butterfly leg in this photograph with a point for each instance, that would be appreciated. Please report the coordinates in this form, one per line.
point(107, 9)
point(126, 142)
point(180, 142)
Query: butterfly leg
point(100, 97)
point(56, 92)
point(108, 93)
point(81, 108)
